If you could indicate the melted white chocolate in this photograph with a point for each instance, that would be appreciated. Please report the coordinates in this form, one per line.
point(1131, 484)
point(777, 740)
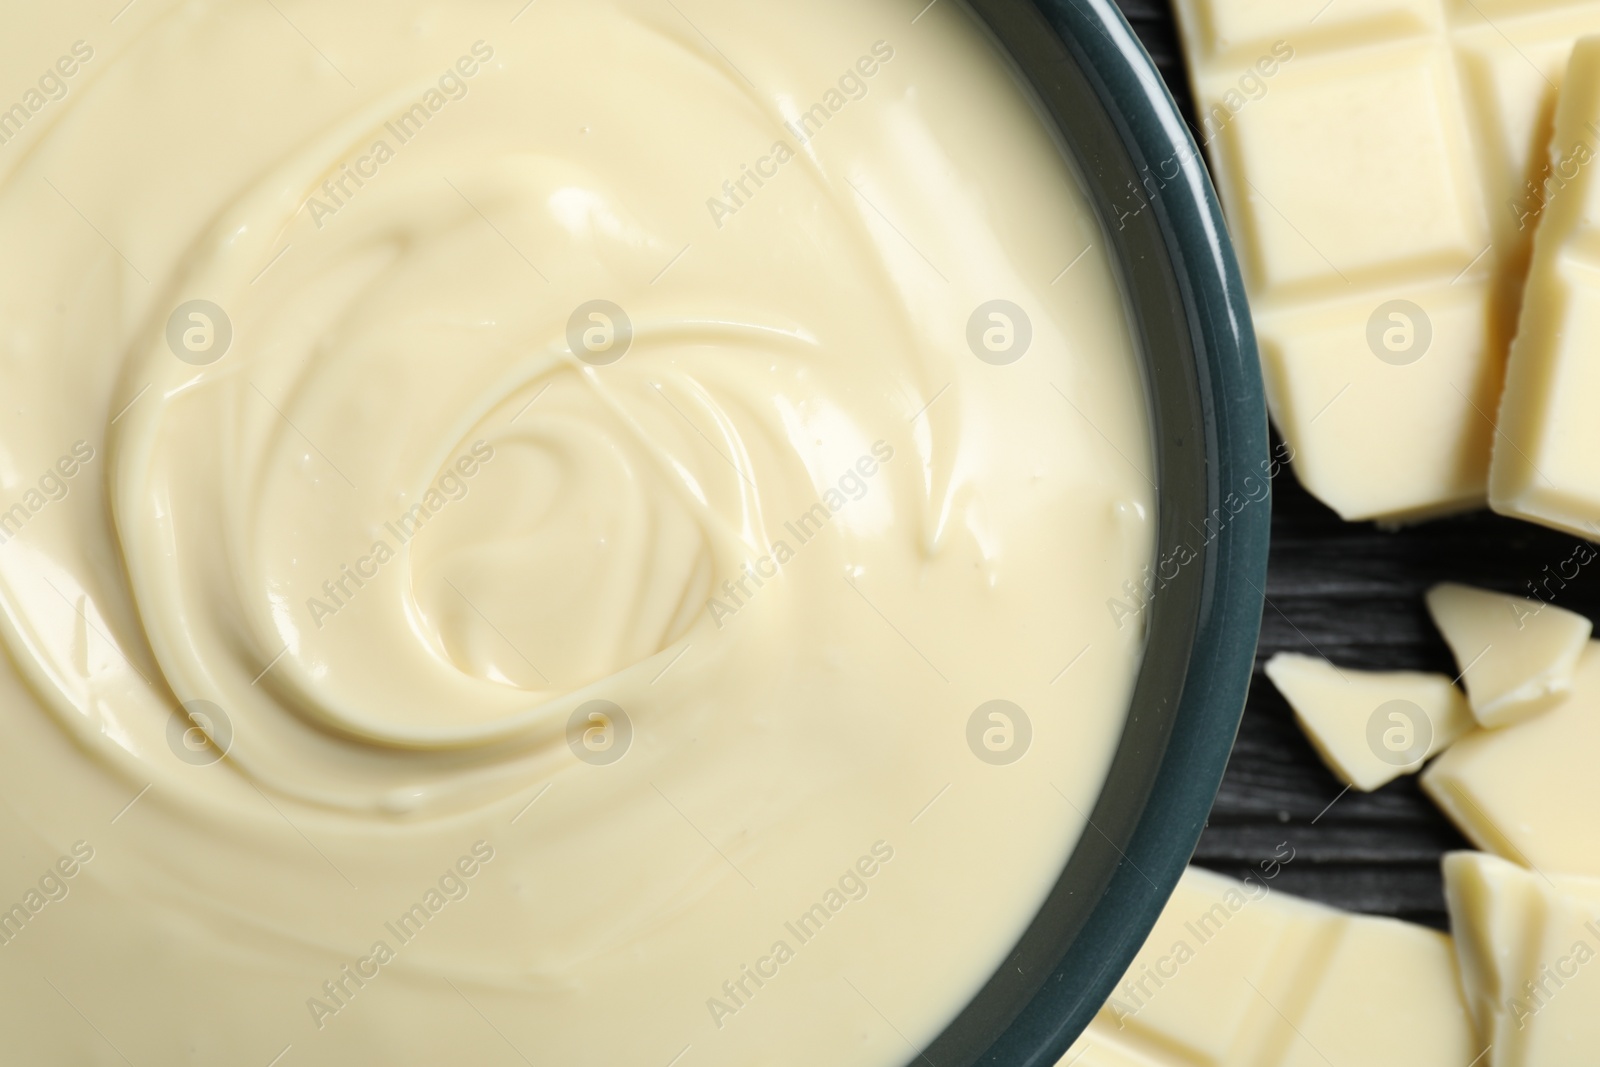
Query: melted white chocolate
point(584, 683)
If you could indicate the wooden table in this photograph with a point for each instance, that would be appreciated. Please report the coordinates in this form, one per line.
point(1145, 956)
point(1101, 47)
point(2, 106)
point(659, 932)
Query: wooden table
point(1353, 594)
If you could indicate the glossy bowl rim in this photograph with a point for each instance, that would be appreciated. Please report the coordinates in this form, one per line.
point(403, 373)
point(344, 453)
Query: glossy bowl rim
point(1217, 602)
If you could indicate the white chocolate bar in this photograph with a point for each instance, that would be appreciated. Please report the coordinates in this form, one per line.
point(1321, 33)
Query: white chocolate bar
point(1378, 163)
point(1516, 655)
point(1238, 975)
point(1370, 727)
point(1530, 792)
point(1546, 464)
point(1527, 943)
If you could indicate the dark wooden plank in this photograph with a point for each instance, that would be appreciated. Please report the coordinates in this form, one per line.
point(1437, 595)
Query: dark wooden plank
point(1352, 593)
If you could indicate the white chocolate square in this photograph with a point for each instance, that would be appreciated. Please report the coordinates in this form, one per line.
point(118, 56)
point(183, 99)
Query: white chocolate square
point(1206, 1007)
point(1529, 946)
point(1388, 994)
point(1349, 413)
point(1383, 143)
point(1494, 913)
point(1516, 656)
point(1547, 457)
point(1230, 27)
point(1530, 791)
point(1370, 727)
point(1238, 974)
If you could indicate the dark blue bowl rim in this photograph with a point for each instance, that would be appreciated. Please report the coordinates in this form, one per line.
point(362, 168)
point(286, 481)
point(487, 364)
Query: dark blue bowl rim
point(1214, 606)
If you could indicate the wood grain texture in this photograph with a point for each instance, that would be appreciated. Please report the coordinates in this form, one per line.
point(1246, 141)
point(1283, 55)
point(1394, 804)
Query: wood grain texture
point(1353, 594)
